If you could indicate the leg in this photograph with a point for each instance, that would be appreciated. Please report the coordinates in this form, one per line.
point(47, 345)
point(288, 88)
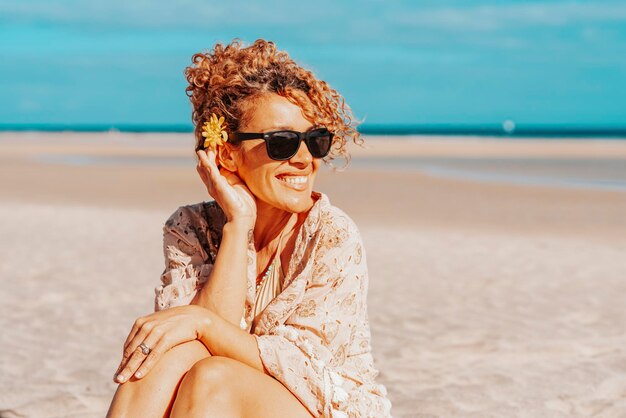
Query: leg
point(153, 395)
point(223, 387)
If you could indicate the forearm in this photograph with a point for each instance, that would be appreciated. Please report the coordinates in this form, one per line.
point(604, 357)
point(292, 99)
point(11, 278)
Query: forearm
point(225, 291)
point(222, 338)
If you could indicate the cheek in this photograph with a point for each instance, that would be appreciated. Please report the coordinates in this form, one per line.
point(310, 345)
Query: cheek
point(257, 172)
point(261, 179)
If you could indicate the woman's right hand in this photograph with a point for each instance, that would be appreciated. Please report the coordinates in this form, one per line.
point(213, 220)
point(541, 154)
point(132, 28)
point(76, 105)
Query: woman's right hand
point(229, 191)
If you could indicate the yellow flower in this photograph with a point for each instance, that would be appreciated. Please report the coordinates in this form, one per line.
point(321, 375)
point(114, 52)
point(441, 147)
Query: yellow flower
point(214, 133)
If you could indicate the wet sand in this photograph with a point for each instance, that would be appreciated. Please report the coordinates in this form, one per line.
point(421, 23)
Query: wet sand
point(489, 297)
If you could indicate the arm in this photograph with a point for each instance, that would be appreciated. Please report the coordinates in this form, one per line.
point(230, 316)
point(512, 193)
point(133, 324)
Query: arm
point(191, 277)
point(222, 338)
point(162, 330)
point(219, 303)
point(176, 320)
point(225, 291)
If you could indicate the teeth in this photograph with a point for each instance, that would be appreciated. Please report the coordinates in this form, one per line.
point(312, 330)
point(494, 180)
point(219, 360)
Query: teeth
point(294, 179)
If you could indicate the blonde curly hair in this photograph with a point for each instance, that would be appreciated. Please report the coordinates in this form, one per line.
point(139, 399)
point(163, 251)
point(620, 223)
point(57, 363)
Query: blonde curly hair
point(224, 80)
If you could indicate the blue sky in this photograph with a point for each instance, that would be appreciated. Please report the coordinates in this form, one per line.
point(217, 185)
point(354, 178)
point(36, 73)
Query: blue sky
point(396, 62)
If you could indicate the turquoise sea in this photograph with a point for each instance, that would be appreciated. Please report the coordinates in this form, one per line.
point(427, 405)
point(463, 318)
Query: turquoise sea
point(492, 130)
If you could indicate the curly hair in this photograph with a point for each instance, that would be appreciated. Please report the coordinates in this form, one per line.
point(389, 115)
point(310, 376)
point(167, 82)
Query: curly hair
point(228, 78)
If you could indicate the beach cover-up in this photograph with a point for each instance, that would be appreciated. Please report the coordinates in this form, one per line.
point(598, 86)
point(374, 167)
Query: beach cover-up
point(314, 336)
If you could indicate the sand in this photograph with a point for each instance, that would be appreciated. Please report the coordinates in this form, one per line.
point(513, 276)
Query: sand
point(487, 298)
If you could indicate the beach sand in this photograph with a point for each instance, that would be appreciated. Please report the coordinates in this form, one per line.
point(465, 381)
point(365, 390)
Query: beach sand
point(497, 283)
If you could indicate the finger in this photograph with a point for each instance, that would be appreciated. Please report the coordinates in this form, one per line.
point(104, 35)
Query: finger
point(159, 349)
point(211, 171)
point(200, 170)
point(138, 357)
point(143, 329)
point(213, 161)
point(203, 164)
point(121, 366)
point(212, 156)
point(205, 158)
point(204, 177)
point(136, 326)
point(133, 362)
point(220, 184)
point(139, 337)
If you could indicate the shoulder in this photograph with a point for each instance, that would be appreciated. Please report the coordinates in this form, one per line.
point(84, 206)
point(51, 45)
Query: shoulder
point(338, 253)
point(335, 222)
point(203, 215)
point(339, 235)
point(194, 228)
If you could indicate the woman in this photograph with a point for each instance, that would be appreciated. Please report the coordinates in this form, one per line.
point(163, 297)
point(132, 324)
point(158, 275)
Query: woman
point(262, 308)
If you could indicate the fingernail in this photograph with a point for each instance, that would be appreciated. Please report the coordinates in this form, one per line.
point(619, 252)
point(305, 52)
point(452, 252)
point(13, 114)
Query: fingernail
point(138, 374)
point(120, 377)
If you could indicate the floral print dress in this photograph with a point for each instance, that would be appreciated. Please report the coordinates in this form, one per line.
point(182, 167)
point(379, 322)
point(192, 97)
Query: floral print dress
point(313, 337)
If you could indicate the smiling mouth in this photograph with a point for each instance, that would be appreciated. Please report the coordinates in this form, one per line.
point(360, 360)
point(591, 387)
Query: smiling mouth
point(296, 182)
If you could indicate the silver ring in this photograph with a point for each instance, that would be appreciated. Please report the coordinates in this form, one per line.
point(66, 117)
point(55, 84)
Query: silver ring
point(145, 349)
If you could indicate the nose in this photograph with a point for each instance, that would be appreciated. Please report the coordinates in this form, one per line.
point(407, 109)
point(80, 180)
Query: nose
point(303, 156)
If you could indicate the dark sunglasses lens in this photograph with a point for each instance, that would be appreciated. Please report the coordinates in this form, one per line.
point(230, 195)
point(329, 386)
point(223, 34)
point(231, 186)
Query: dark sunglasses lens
point(283, 145)
point(319, 143)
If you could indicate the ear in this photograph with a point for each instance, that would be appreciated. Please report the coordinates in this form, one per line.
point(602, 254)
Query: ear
point(227, 158)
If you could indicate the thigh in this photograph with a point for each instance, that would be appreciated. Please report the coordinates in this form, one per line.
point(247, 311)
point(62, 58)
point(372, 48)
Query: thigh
point(260, 395)
point(153, 395)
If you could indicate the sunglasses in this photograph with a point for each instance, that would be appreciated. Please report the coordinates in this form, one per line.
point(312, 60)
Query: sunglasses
point(282, 145)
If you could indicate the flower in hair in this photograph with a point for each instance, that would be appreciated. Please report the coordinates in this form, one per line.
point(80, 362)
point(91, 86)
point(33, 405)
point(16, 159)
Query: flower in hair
point(214, 133)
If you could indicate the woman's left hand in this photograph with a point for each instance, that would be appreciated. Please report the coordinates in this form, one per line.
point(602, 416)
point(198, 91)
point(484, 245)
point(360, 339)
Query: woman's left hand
point(159, 331)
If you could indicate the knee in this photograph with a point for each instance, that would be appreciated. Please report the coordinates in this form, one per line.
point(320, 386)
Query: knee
point(183, 356)
point(171, 367)
point(212, 376)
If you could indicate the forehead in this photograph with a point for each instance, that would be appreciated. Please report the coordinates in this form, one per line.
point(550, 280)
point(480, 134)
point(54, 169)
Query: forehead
point(272, 111)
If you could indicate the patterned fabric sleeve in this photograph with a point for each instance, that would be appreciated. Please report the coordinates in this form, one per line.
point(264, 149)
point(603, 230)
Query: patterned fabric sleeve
point(187, 264)
point(319, 353)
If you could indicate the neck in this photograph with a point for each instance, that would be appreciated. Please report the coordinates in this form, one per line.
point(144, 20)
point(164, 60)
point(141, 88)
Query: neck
point(270, 222)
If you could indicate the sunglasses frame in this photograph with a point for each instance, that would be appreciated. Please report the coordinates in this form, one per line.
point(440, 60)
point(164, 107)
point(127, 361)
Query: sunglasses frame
point(302, 136)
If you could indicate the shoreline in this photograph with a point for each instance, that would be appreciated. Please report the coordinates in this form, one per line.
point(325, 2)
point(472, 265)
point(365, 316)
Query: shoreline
point(519, 186)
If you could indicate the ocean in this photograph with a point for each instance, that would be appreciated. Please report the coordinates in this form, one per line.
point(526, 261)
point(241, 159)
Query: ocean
point(506, 129)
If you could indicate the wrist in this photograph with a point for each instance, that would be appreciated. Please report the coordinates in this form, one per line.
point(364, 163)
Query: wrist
point(204, 324)
point(241, 226)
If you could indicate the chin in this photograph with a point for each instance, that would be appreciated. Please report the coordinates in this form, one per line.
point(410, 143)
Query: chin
point(294, 202)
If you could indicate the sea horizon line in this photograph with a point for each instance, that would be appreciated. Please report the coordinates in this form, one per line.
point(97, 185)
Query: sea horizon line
point(497, 130)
